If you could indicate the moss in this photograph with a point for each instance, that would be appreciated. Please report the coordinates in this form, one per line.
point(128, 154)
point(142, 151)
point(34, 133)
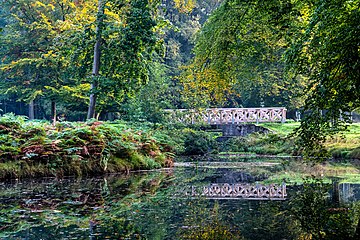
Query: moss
point(9, 170)
point(117, 164)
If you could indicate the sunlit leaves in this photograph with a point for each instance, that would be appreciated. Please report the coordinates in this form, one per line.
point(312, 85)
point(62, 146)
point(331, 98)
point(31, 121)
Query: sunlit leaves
point(203, 88)
point(243, 42)
point(327, 54)
point(185, 6)
point(50, 43)
point(31, 61)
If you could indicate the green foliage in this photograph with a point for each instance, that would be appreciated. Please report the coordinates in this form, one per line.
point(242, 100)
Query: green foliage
point(326, 52)
point(354, 154)
point(318, 218)
point(238, 57)
point(198, 142)
point(269, 144)
point(40, 149)
point(149, 103)
point(206, 224)
point(30, 62)
point(11, 122)
point(49, 46)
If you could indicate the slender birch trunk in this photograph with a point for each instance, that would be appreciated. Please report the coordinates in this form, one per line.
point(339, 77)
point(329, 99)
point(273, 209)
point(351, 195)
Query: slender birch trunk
point(96, 63)
point(53, 112)
point(31, 110)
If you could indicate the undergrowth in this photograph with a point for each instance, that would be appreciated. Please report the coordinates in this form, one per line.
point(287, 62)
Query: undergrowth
point(36, 148)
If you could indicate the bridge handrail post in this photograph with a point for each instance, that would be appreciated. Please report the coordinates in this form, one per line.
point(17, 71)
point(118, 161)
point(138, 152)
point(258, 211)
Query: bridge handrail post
point(233, 116)
point(221, 115)
point(193, 191)
point(209, 115)
point(257, 189)
point(283, 190)
point(271, 115)
point(283, 116)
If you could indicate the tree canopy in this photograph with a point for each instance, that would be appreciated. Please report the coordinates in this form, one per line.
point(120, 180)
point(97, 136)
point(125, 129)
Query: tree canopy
point(327, 53)
point(70, 54)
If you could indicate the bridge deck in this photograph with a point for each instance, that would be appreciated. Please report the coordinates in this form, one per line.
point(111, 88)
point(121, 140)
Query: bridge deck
point(219, 116)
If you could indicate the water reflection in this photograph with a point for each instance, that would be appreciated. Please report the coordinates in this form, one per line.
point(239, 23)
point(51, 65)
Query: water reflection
point(142, 206)
point(235, 191)
point(349, 192)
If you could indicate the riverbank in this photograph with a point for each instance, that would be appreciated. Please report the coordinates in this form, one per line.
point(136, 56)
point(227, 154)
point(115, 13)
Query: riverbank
point(38, 149)
point(281, 142)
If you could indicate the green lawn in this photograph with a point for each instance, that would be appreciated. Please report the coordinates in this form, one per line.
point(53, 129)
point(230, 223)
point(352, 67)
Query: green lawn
point(342, 145)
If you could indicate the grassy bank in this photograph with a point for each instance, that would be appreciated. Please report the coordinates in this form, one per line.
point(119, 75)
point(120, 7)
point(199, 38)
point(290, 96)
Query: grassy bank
point(36, 148)
point(281, 142)
point(345, 145)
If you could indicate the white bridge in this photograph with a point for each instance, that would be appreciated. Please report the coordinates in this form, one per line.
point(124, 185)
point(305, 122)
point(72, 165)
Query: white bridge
point(236, 191)
point(219, 116)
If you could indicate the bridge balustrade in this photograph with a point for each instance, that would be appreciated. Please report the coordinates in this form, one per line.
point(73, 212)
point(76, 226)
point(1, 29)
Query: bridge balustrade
point(219, 116)
point(236, 191)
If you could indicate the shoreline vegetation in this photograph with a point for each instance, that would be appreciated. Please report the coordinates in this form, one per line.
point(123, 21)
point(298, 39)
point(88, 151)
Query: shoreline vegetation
point(39, 149)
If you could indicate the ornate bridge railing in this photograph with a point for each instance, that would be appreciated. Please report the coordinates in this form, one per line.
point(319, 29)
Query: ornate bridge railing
point(236, 191)
point(215, 116)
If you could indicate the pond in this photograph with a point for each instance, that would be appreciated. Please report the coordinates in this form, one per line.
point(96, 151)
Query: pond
point(197, 199)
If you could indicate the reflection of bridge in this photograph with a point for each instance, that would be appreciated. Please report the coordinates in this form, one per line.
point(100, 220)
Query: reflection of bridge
point(216, 116)
point(236, 191)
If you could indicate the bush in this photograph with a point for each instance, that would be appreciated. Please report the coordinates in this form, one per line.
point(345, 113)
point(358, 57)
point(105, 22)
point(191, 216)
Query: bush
point(236, 144)
point(198, 142)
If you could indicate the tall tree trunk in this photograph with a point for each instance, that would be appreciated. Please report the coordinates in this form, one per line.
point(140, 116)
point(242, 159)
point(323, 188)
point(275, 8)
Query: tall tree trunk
point(53, 112)
point(31, 110)
point(96, 63)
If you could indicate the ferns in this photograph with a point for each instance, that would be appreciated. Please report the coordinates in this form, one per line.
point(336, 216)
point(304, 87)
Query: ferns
point(77, 148)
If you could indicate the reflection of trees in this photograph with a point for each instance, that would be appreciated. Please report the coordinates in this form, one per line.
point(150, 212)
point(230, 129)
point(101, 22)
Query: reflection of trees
point(204, 222)
point(320, 218)
point(142, 206)
point(69, 206)
point(262, 219)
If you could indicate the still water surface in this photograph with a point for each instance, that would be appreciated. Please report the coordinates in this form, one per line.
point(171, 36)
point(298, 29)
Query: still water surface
point(145, 205)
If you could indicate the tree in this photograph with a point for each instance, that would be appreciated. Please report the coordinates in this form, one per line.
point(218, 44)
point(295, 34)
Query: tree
point(96, 63)
point(327, 54)
point(179, 22)
point(49, 50)
point(29, 64)
point(125, 35)
point(238, 56)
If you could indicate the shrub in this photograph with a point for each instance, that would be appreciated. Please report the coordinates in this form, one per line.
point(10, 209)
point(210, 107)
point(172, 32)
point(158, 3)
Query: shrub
point(198, 142)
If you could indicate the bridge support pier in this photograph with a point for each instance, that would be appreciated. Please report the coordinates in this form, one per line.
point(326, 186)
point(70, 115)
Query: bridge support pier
point(231, 130)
